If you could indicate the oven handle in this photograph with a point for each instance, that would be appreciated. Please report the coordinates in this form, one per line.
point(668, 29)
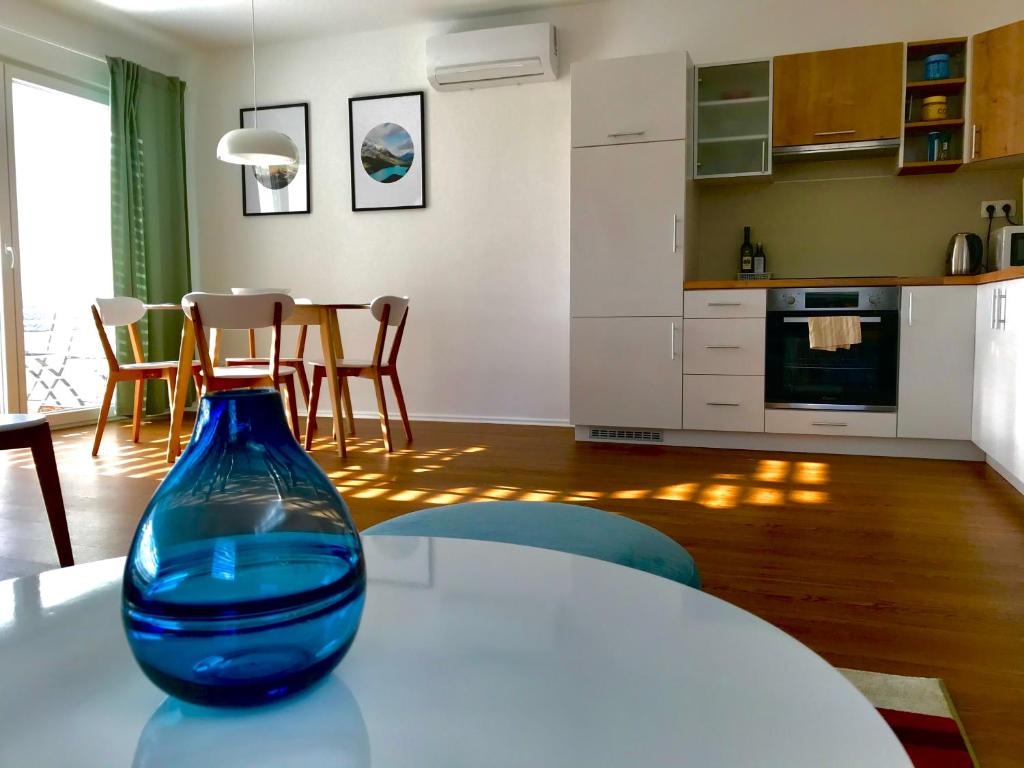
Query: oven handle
point(807, 319)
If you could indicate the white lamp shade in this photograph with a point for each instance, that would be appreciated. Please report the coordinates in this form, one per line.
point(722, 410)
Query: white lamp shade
point(257, 146)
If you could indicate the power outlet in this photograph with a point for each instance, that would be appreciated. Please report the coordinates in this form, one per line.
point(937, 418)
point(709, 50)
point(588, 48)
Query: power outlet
point(999, 208)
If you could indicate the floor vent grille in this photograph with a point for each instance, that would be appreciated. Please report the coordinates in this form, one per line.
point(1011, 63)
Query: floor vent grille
point(631, 435)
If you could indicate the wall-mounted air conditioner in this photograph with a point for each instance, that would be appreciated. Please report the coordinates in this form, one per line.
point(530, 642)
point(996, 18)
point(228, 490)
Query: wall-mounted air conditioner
point(490, 57)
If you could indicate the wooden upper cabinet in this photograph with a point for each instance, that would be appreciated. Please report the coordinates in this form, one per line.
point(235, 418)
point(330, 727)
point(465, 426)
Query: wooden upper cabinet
point(997, 93)
point(848, 94)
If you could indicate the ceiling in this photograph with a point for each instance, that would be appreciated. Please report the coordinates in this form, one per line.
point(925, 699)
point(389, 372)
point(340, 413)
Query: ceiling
point(217, 23)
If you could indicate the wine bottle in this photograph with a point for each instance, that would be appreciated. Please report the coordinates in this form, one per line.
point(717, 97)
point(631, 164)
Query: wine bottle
point(746, 253)
point(759, 259)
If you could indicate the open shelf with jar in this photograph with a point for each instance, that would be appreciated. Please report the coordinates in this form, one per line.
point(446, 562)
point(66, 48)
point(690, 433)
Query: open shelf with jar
point(933, 107)
point(733, 120)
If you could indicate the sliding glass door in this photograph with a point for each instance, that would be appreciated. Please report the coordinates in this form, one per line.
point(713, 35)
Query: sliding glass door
point(55, 232)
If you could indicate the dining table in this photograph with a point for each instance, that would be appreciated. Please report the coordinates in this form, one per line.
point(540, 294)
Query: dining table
point(317, 314)
point(469, 654)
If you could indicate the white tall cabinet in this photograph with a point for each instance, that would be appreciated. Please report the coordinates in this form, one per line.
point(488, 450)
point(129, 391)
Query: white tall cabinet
point(998, 415)
point(627, 225)
point(936, 384)
point(630, 225)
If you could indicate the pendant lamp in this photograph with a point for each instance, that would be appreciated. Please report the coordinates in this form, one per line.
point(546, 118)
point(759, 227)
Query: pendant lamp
point(256, 146)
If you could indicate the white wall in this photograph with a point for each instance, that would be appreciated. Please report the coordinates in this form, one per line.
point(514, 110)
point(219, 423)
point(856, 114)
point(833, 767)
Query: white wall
point(127, 41)
point(487, 262)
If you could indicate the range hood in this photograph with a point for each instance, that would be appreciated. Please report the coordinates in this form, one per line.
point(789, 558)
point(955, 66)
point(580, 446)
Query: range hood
point(837, 150)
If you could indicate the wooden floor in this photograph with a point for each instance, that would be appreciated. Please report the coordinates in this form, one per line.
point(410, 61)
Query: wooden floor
point(893, 565)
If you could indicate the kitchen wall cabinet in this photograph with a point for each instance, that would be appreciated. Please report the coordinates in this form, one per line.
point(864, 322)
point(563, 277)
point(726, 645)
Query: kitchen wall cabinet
point(626, 232)
point(733, 120)
point(630, 100)
point(627, 372)
point(997, 99)
point(849, 94)
point(936, 385)
point(998, 427)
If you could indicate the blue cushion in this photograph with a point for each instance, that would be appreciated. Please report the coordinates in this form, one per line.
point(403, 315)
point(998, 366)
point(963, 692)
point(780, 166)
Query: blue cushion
point(563, 527)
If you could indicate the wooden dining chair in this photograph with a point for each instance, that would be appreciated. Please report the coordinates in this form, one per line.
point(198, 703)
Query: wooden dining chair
point(20, 430)
point(215, 311)
point(297, 362)
point(117, 313)
point(390, 312)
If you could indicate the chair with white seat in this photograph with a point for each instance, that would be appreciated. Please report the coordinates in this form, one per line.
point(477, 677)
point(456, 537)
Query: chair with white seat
point(297, 361)
point(119, 312)
point(216, 311)
point(390, 312)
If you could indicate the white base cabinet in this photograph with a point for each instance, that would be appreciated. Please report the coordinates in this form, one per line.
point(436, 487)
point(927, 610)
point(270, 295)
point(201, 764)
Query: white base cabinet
point(732, 347)
point(832, 423)
point(723, 403)
point(936, 383)
point(627, 372)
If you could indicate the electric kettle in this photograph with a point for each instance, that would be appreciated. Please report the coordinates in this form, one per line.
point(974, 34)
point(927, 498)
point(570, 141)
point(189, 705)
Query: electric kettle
point(965, 254)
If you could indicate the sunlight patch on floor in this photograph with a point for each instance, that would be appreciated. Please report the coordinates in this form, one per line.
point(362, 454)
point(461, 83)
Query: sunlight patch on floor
point(682, 492)
point(719, 496)
point(635, 494)
point(765, 497)
point(771, 471)
point(810, 473)
point(808, 497)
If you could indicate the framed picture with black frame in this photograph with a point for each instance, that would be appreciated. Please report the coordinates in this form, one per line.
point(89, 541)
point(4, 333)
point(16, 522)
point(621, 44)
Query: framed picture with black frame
point(388, 154)
point(278, 189)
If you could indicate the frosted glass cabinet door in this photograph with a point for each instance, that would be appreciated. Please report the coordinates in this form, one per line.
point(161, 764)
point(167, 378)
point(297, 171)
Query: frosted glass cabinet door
point(733, 120)
point(937, 328)
point(626, 232)
point(627, 372)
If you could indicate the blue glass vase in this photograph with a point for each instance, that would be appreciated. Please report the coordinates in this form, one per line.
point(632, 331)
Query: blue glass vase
point(245, 580)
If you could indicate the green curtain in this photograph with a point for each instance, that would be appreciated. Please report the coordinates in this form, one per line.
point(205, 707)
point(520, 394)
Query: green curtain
point(149, 211)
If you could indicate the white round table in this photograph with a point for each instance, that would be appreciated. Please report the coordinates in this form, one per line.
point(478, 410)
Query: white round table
point(470, 654)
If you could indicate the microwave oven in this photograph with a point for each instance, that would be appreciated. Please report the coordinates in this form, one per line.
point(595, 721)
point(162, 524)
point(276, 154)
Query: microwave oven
point(1006, 247)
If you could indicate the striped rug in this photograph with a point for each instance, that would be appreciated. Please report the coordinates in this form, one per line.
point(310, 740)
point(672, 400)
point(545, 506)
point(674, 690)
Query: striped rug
point(921, 714)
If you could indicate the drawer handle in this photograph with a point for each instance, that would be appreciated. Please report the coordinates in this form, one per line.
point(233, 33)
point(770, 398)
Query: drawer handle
point(834, 133)
point(723, 346)
point(725, 304)
point(625, 134)
point(829, 424)
point(729, 405)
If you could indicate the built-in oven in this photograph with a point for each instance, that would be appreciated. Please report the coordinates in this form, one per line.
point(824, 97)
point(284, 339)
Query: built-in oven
point(864, 377)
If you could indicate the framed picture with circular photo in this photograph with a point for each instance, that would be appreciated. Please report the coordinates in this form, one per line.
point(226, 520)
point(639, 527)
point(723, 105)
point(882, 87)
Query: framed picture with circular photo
point(278, 188)
point(388, 153)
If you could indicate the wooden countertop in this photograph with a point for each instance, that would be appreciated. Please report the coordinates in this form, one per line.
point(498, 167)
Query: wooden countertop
point(1012, 273)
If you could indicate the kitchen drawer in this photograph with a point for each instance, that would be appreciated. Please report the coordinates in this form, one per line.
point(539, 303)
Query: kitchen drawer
point(725, 403)
point(739, 302)
point(733, 347)
point(848, 423)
